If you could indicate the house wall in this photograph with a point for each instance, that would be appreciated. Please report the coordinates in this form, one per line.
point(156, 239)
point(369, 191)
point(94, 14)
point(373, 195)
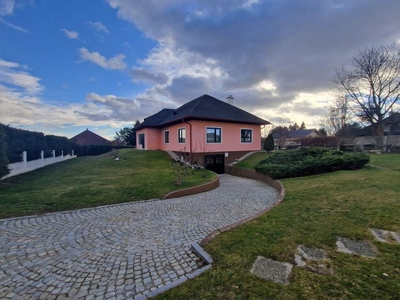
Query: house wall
point(173, 144)
point(313, 135)
point(152, 138)
point(230, 141)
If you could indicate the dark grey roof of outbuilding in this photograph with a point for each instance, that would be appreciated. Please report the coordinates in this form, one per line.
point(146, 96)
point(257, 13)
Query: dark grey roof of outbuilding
point(294, 134)
point(202, 108)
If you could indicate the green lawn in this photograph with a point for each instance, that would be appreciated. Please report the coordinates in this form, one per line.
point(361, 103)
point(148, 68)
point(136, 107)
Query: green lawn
point(252, 160)
point(92, 181)
point(315, 211)
point(390, 161)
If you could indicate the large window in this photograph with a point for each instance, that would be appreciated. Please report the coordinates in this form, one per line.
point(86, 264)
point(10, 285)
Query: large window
point(246, 135)
point(182, 135)
point(213, 135)
point(166, 137)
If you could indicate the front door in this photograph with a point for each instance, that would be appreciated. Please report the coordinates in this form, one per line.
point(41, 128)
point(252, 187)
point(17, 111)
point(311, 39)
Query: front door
point(141, 140)
point(215, 163)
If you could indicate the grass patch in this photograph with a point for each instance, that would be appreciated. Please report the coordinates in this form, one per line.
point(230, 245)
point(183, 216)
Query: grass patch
point(251, 161)
point(93, 181)
point(387, 160)
point(314, 212)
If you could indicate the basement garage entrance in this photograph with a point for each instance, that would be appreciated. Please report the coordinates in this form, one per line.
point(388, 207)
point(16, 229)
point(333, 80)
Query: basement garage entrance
point(215, 163)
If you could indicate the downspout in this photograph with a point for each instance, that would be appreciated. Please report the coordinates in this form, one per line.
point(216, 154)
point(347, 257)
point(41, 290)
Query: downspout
point(190, 130)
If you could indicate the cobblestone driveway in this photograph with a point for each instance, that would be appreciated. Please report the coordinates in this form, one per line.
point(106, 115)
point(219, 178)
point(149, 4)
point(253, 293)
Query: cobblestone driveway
point(120, 251)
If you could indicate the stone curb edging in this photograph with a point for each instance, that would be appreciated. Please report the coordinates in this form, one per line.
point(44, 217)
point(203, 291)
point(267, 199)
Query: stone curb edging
point(173, 284)
point(205, 187)
point(201, 253)
point(212, 235)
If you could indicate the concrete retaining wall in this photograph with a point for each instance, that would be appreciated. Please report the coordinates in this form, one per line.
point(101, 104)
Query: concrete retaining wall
point(193, 190)
point(252, 174)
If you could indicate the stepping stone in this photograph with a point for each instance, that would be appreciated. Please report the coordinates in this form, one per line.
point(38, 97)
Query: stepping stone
point(380, 235)
point(385, 236)
point(272, 270)
point(311, 253)
point(317, 260)
point(299, 261)
point(396, 236)
point(355, 247)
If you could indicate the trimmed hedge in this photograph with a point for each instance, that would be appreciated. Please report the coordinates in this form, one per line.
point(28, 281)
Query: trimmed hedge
point(310, 161)
point(3, 156)
point(14, 141)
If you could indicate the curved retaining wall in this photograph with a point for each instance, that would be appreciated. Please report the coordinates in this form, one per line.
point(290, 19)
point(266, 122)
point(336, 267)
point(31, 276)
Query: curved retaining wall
point(251, 174)
point(193, 190)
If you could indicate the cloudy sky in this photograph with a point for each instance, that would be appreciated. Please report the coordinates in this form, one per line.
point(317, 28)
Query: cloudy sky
point(102, 64)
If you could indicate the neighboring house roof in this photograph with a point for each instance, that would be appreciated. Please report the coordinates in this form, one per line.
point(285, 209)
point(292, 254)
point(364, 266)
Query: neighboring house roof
point(202, 108)
point(88, 137)
point(296, 134)
point(391, 126)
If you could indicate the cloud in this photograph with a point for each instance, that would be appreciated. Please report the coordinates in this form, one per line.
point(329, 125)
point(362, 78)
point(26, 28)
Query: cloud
point(114, 63)
point(143, 75)
point(119, 109)
point(6, 7)
point(70, 34)
point(230, 47)
point(22, 105)
point(13, 74)
point(99, 27)
point(13, 26)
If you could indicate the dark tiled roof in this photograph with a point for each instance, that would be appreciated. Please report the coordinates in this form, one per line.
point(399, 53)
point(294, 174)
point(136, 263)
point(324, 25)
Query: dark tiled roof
point(203, 108)
point(88, 137)
point(391, 124)
point(294, 134)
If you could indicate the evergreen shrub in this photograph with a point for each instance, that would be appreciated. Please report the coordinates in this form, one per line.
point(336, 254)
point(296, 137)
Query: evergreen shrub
point(310, 161)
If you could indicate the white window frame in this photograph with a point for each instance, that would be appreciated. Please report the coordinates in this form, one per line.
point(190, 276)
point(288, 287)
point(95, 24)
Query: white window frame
point(169, 136)
point(213, 127)
point(251, 142)
point(182, 128)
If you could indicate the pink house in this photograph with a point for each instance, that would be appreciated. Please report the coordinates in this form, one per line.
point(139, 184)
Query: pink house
point(209, 131)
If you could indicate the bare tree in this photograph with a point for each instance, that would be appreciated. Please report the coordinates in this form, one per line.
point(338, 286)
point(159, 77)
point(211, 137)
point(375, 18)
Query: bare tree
point(372, 84)
point(339, 114)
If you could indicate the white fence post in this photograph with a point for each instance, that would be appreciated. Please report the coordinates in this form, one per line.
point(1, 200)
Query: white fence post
point(27, 166)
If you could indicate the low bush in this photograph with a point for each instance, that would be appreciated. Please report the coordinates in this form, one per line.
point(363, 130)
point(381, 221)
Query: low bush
point(309, 161)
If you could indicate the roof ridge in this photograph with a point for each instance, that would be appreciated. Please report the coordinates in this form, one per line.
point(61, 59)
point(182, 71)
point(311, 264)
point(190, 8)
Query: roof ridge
point(198, 102)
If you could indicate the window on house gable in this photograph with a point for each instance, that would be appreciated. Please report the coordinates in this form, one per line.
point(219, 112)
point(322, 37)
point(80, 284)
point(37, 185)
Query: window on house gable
point(246, 135)
point(182, 135)
point(213, 135)
point(166, 137)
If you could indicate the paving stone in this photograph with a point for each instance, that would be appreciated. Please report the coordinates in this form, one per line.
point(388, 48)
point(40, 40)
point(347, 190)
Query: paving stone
point(311, 253)
point(355, 247)
point(299, 261)
point(385, 236)
point(380, 235)
point(88, 251)
point(272, 270)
